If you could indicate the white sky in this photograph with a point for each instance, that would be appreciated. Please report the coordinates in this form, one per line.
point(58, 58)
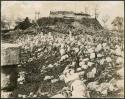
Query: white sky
point(16, 9)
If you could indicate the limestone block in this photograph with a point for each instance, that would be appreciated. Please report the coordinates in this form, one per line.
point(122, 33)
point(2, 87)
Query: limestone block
point(9, 54)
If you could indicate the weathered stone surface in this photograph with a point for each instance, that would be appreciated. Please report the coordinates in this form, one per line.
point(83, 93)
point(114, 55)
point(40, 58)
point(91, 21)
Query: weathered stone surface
point(58, 96)
point(8, 77)
point(79, 89)
point(9, 54)
point(10, 94)
point(92, 55)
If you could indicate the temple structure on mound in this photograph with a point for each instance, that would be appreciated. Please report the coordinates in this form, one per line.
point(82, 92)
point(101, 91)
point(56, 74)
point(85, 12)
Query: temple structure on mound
point(69, 14)
point(84, 18)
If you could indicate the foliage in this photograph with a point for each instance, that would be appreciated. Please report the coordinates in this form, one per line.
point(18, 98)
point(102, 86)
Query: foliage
point(118, 22)
point(24, 24)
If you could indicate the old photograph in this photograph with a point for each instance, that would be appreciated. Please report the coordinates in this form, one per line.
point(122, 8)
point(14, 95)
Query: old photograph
point(62, 49)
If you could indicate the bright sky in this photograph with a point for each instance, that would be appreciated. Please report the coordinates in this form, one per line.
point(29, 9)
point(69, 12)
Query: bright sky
point(22, 9)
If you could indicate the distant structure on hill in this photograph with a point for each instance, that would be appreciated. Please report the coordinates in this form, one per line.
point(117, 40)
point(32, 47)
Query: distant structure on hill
point(82, 18)
point(68, 14)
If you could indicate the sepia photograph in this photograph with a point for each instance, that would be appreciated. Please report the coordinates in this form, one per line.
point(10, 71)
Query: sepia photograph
point(62, 49)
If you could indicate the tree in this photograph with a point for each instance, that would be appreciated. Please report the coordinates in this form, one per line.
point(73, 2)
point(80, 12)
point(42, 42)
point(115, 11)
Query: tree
point(5, 23)
point(96, 11)
point(86, 10)
point(24, 24)
point(118, 23)
point(105, 20)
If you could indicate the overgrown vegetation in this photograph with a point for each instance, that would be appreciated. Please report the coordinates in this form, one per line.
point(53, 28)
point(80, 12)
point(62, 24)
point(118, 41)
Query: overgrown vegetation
point(44, 58)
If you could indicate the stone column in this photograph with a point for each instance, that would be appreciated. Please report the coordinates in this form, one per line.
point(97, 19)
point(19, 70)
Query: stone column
point(9, 61)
